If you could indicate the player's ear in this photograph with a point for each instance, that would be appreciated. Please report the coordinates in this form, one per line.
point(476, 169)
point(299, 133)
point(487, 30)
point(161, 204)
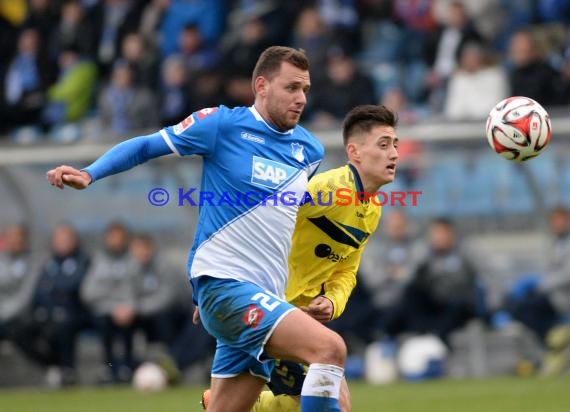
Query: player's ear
point(260, 86)
point(352, 151)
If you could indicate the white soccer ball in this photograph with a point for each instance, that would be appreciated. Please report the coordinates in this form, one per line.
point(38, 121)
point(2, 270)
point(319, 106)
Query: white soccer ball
point(422, 357)
point(518, 128)
point(149, 377)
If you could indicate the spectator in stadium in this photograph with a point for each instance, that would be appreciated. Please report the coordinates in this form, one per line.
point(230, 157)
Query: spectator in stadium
point(311, 34)
point(342, 19)
point(530, 74)
point(442, 294)
point(206, 89)
point(125, 106)
point(42, 16)
point(151, 20)
point(443, 50)
point(164, 309)
point(109, 293)
point(478, 77)
point(239, 48)
point(176, 94)
point(387, 267)
point(158, 309)
point(17, 279)
point(408, 112)
point(556, 286)
point(70, 98)
point(487, 16)
point(74, 29)
point(25, 82)
point(114, 19)
point(343, 88)
point(416, 23)
point(208, 15)
point(8, 39)
point(57, 314)
point(557, 278)
point(143, 60)
point(229, 273)
point(540, 302)
point(197, 55)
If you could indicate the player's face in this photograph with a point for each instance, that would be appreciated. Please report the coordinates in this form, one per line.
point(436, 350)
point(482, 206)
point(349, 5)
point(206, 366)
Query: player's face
point(287, 96)
point(375, 155)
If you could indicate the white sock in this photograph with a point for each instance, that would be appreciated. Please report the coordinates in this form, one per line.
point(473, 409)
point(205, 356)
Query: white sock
point(323, 381)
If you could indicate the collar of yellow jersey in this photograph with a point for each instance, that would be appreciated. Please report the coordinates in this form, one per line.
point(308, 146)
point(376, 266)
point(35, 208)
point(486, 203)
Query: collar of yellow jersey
point(357, 181)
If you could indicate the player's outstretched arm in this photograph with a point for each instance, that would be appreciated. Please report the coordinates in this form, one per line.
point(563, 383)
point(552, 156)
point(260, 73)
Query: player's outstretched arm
point(119, 158)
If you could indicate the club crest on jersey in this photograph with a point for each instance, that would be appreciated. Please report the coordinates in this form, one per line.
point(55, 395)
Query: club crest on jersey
point(297, 151)
point(252, 316)
point(270, 173)
point(183, 125)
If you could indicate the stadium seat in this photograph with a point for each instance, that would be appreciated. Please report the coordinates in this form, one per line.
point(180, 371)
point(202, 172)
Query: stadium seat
point(477, 198)
point(545, 171)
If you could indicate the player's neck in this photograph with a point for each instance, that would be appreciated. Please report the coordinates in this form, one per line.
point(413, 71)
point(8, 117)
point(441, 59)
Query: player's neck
point(266, 118)
point(362, 182)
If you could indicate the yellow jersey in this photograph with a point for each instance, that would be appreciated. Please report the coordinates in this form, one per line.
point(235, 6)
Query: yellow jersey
point(331, 231)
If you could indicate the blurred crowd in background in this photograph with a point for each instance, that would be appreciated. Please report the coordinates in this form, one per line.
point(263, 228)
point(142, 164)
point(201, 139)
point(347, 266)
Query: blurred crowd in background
point(136, 65)
point(115, 291)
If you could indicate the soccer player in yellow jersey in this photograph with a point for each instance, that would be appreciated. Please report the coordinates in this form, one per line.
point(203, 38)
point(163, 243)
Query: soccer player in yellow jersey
point(332, 229)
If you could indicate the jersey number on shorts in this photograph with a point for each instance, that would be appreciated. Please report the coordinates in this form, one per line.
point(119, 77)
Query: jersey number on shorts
point(266, 301)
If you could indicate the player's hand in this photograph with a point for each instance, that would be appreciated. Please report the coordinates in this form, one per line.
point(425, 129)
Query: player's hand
point(68, 176)
point(320, 308)
point(196, 316)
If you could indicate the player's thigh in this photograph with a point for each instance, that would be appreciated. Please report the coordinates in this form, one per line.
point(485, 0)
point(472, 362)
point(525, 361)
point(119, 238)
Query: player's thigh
point(299, 337)
point(235, 394)
point(344, 397)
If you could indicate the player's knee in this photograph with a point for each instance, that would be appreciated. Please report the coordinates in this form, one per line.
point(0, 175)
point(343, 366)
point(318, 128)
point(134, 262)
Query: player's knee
point(332, 350)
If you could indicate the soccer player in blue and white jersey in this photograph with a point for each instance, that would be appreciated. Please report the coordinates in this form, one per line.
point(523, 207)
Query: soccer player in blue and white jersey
point(238, 263)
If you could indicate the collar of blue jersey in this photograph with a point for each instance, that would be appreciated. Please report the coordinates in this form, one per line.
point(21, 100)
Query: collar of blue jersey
point(257, 116)
point(357, 181)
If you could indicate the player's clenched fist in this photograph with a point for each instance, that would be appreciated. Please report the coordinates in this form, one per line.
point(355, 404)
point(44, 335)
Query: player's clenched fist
point(320, 308)
point(70, 176)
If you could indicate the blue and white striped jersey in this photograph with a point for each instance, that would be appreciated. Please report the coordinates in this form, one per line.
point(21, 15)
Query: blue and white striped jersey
point(245, 159)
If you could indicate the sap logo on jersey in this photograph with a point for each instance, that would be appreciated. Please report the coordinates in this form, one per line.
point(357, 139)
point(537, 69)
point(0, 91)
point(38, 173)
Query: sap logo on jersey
point(269, 173)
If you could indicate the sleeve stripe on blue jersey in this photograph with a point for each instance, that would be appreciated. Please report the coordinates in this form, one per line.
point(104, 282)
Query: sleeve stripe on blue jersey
point(169, 142)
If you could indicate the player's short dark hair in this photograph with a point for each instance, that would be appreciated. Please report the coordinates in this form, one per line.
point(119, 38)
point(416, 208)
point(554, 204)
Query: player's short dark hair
point(270, 60)
point(362, 119)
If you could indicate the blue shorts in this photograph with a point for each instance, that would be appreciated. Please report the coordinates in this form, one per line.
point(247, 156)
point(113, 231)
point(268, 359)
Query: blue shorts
point(241, 316)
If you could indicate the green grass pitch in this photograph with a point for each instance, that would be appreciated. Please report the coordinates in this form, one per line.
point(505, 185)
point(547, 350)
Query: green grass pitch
point(489, 395)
